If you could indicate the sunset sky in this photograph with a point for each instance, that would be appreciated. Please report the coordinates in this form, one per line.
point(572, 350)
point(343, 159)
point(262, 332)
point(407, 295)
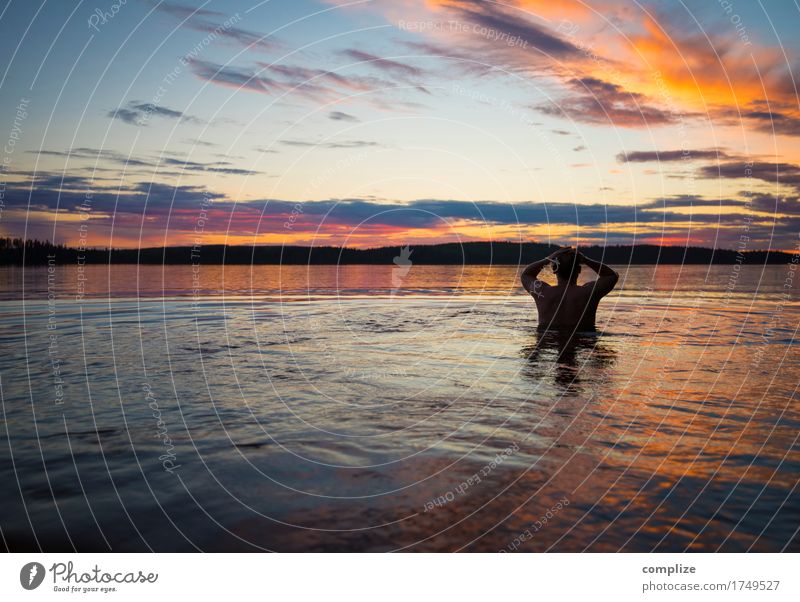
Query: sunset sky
point(401, 122)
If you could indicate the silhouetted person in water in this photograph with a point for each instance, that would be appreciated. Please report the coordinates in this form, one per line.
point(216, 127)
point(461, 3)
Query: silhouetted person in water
point(567, 306)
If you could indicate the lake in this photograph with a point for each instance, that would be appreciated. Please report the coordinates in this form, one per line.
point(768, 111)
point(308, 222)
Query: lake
point(377, 408)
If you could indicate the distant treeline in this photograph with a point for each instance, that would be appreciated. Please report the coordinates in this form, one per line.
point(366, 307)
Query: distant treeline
point(35, 252)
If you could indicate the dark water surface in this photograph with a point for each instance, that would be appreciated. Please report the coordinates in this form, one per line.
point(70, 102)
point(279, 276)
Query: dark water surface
point(326, 408)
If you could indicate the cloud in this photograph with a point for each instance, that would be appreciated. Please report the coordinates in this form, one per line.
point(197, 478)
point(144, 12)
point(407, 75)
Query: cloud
point(140, 113)
point(183, 12)
point(769, 203)
point(465, 61)
point(61, 180)
point(310, 83)
point(236, 77)
point(333, 145)
point(723, 165)
point(67, 192)
point(198, 142)
point(598, 102)
point(48, 192)
point(484, 38)
point(701, 65)
point(429, 212)
point(502, 27)
point(315, 84)
point(686, 200)
point(221, 26)
point(340, 116)
point(222, 167)
point(608, 73)
point(322, 80)
point(774, 122)
point(96, 155)
point(711, 154)
point(244, 37)
point(171, 213)
point(787, 174)
point(425, 213)
point(122, 198)
point(384, 64)
point(657, 219)
point(116, 158)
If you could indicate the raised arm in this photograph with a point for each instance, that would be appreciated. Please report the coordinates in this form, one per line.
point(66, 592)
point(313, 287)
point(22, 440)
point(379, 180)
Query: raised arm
point(529, 274)
point(606, 277)
point(531, 271)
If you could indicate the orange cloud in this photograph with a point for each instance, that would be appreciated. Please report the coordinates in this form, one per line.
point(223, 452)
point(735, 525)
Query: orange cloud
point(650, 60)
point(705, 71)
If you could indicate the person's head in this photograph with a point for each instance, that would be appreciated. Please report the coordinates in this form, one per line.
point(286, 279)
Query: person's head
point(566, 267)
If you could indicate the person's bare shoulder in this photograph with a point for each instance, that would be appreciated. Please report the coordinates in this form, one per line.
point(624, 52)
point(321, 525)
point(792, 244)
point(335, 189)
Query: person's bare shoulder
point(601, 286)
point(534, 286)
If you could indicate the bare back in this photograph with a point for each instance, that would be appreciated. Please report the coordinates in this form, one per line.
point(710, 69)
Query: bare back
point(570, 306)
